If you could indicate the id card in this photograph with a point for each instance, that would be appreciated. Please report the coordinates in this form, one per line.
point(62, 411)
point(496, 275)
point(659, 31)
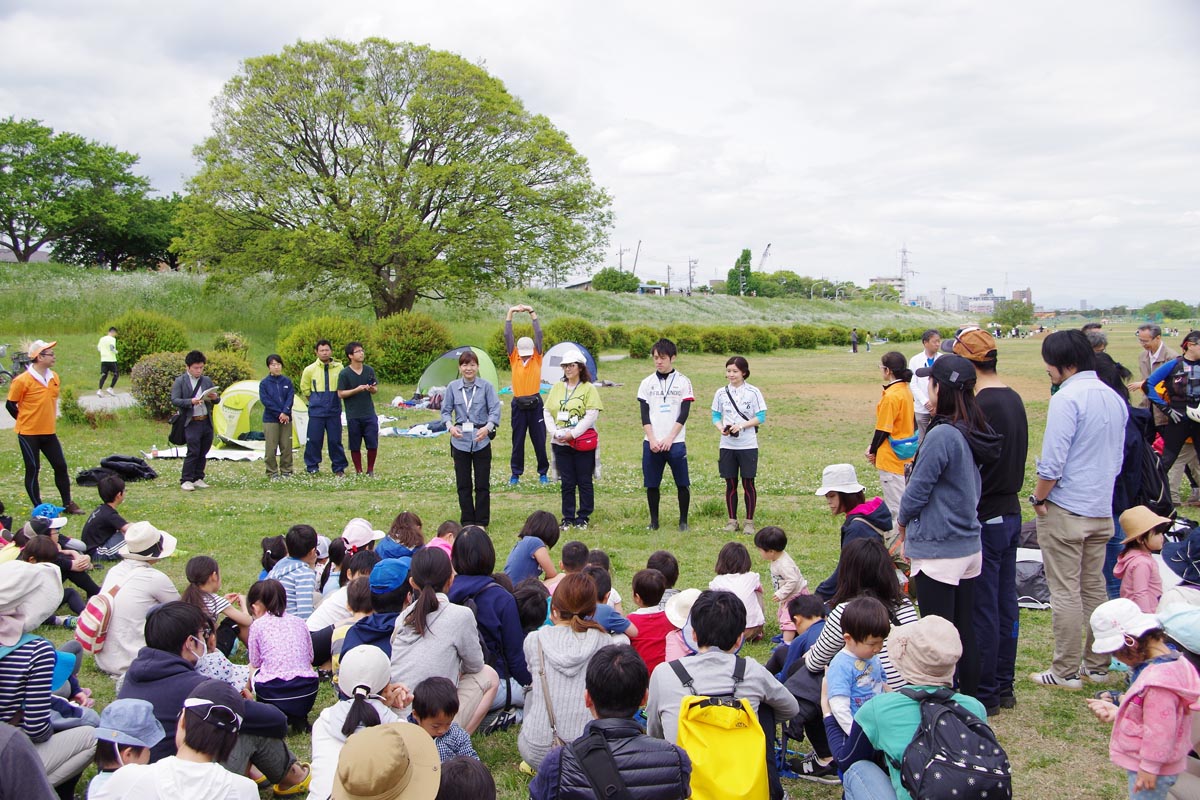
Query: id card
point(664, 408)
point(564, 416)
point(467, 427)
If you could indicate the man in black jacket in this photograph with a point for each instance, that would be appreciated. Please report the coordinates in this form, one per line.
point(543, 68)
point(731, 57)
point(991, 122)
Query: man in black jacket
point(164, 673)
point(652, 769)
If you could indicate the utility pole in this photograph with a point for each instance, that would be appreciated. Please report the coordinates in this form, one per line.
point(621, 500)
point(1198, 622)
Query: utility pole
point(668, 278)
point(692, 264)
point(621, 251)
point(636, 253)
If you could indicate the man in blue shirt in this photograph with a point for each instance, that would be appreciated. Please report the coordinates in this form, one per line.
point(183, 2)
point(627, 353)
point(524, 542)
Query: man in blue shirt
point(1082, 451)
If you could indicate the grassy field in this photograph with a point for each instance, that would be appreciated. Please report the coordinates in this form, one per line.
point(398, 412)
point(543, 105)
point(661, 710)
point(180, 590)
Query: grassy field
point(821, 407)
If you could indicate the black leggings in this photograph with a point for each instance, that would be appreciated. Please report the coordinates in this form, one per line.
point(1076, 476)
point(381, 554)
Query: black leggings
point(956, 604)
point(32, 448)
point(108, 368)
point(731, 498)
point(1174, 436)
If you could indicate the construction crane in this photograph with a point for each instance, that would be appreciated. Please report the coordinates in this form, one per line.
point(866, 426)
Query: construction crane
point(763, 259)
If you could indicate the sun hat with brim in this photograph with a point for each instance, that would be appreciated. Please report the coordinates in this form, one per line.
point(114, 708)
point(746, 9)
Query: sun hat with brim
point(954, 371)
point(972, 343)
point(679, 606)
point(397, 761)
point(359, 533)
point(38, 346)
point(389, 575)
point(130, 722)
point(144, 542)
point(365, 665)
point(571, 356)
point(839, 478)
point(1183, 557)
point(1112, 621)
point(524, 346)
point(925, 652)
point(1140, 521)
point(29, 594)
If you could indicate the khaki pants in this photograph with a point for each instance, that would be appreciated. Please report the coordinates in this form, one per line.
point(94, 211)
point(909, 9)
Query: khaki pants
point(1073, 555)
point(1186, 458)
point(893, 492)
point(278, 437)
point(67, 753)
point(472, 686)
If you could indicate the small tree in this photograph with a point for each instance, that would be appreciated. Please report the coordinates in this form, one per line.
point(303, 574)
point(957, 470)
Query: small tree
point(611, 279)
point(742, 280)
point(1170, 309)
point(1011, 313)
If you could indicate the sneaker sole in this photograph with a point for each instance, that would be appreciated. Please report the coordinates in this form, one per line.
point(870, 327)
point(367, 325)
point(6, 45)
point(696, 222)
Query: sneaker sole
point(1072, 684)
point(828, 780)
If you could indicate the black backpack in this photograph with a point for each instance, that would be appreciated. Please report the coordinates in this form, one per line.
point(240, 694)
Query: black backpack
point(1155, 490)
point(954, 754)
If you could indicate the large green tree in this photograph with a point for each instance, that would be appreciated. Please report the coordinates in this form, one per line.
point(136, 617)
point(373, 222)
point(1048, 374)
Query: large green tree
point(52, 185)
point(1170, 309)
point(1012, 313)
point(742, 279)
point(138, 235)
point(386, 172)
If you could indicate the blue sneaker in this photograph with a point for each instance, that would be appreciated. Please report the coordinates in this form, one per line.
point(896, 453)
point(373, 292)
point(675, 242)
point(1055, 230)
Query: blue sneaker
point(514, 480)
point(543, 480)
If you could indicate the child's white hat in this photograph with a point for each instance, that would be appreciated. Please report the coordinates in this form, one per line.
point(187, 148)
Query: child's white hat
point(1114, 620)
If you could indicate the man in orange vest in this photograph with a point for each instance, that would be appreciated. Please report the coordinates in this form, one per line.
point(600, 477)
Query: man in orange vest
point(525, 358)
point(33, 403)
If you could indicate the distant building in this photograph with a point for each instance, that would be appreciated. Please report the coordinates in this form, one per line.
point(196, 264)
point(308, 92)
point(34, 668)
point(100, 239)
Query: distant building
point(896, 283)
point(982, 303)
point(1023, 296)
point(1083, 305)
point(585, 286)
point(651, 288)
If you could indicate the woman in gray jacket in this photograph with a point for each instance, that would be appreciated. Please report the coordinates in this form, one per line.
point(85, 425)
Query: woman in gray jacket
point(471, 411)
point(937, 520)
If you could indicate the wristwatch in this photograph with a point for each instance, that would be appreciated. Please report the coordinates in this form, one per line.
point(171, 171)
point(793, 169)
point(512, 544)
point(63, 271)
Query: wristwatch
point(1033, 501)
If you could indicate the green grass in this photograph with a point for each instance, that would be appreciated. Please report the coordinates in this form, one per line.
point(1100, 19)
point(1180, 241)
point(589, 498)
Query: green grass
point(821, 409)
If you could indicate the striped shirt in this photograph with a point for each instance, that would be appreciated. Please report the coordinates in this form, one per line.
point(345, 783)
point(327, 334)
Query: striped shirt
point(830, 643)
point(25, 676)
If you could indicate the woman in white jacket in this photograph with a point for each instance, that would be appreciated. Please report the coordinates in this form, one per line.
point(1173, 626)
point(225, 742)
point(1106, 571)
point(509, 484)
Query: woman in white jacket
point(364, 675)
point(435, 638)
point(558, 656)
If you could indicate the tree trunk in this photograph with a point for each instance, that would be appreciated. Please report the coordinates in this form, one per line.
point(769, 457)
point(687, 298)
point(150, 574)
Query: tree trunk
point(389, 303)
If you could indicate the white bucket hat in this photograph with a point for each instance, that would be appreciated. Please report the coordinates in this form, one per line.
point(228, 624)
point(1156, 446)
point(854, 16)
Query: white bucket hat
point(140, 540)
point(1114, 620)
point(839, 478)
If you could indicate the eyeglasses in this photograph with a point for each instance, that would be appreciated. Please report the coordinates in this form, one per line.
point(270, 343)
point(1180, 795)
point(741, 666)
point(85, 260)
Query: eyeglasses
point(213, 713)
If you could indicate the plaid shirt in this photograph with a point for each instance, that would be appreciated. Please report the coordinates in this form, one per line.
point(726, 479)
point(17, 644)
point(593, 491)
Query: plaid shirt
point(454, 742)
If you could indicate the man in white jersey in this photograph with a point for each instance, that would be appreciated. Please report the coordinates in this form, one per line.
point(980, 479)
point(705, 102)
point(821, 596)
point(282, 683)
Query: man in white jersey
point(665, 399)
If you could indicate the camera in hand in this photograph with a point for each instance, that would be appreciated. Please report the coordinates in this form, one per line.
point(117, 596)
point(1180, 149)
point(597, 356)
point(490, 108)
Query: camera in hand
point(729, 431)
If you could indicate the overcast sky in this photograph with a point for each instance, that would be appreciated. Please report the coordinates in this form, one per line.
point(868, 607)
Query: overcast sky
point(1050, 145)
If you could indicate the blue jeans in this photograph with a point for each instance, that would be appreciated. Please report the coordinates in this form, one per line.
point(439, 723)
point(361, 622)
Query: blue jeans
point(866, 781)
point(318, 429)
point(1161, 787)
point(1112, 551)
point(997, 623)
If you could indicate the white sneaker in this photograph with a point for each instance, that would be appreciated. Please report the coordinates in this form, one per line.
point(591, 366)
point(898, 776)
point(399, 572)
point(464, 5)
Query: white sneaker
point(187, 486)
point(111, 392)
point(200, 484)
point(1048, 678)
point(99, 393)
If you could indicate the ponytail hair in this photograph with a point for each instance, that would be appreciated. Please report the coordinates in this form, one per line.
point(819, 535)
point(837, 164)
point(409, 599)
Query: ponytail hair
point(897, 365)
point(361, 714)
point(198, 570)
point(575, 600)
point(337, 554)
point(430, 573)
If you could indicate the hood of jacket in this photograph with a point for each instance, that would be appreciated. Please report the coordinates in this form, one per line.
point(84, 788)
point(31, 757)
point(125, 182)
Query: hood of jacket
point(156, 665)
point(985, 444)
point(875, 512)
point(1129, 557)
point(373, 629)
point(1178, 676)
point(566, 651)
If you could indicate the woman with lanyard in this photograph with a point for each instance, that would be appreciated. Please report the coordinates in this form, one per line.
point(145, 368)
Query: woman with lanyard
point(894, 443)
point(571, 411)
point(473, 406)
point(737, 411)
point(1181, 378)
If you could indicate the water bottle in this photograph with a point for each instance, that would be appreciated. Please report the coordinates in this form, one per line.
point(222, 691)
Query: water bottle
point(154, 451)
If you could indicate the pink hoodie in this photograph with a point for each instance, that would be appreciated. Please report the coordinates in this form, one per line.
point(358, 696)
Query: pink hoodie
point(1140, 581)
point(1153, 728)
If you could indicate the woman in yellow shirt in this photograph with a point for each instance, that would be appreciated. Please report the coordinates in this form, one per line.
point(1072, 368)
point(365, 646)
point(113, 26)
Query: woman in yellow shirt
point(571, 412)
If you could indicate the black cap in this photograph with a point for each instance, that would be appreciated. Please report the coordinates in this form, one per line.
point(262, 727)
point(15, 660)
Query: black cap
point(950, 370)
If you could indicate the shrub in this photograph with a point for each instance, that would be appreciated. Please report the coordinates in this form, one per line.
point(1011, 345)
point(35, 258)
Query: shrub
point(837, 335)
point(68, 406)
point(686, 337)
point(806, 337)
point(641, 339)
point(761, 340)
point(152, 377)
point(232, 342)
point(140, 333)
point(892, 335)
point(573, 329)
point(495, 344)
point(297, 348)
point(402, 345)
point(618, 335)
point(783, 334)
point(714, 339)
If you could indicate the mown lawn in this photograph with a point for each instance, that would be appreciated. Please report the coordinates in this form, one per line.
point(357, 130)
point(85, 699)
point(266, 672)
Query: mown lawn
point(821, 407)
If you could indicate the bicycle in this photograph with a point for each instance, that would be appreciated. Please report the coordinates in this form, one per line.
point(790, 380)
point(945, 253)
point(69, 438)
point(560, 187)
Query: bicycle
point(19, 361)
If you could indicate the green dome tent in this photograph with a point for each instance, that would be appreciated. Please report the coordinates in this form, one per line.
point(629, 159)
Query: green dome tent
point(444, 369)
point(240, 413)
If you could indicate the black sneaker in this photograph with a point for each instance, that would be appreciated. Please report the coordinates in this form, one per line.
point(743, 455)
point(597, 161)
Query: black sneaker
point(810, 769)
point(1008, 700)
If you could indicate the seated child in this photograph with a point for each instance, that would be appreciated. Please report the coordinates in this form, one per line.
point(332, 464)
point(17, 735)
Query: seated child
point(786, 579)
point(599, 558)
point(668, 565)
point(330, 579)
point(204, 581)
point(334, 609)
point(464, 776)
point(446, 533)
point(214, 664)
point(808, 616)
point(274, 551)
point(652, 625)
point(855, 674)
point(435, 702)
point(296, 573)
point(281, 654)
point(678, 611)
point(611, 620)
point(358, 599)
point(104, 532)
point(125, 735)
point(531, 555)
point(533, 604)
point(735, 574)
point(574, 559)
point(403, 538)
point(389, 596)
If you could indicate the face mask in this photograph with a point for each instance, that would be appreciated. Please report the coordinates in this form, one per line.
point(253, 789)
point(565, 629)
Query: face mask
point(203, 647)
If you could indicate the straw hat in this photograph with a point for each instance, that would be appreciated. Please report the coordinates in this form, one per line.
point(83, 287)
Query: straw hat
point(1140, 521)
point(140, 540)
point(398, 761)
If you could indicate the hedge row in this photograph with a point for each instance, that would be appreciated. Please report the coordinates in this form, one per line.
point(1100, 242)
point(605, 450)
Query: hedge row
point(398, 347)
point(153, 376)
